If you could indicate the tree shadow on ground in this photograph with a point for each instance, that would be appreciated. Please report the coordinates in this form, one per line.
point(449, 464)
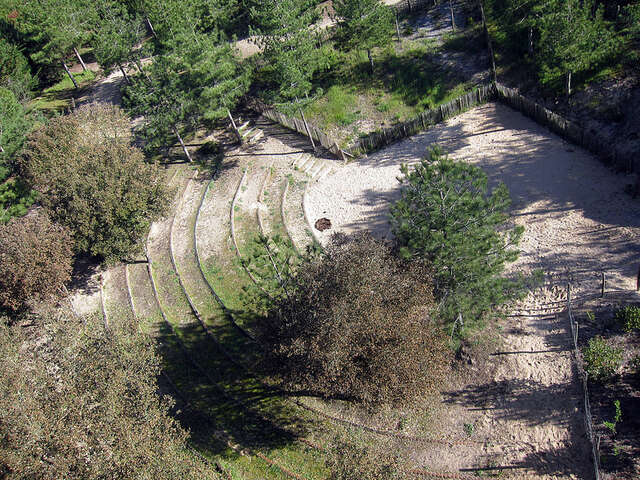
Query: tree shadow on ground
point(217, 399)
point(537, 405)
point(539, 169)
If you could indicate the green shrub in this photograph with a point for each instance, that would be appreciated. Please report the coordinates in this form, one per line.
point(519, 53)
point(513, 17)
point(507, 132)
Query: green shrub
point(629, 317)
point(601, 359)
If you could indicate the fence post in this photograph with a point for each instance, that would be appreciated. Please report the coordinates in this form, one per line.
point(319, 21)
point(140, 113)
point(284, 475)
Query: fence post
point(603, 284)
point(233, 124)
point(306, 126)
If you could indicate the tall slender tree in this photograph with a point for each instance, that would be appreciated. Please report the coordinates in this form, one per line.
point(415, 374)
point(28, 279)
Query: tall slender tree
point(284, 28)
point(573, 37)
point(364, 24)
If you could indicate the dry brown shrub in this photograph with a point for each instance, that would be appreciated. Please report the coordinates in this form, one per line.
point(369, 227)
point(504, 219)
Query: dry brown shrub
point(357, 325)
point(36, 256)
point(80, 402)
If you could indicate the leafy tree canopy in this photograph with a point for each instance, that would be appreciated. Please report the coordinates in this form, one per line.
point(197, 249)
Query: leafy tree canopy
point(15, 73)
point(572, 38)
point(201, 78)
point(92, 180)
point(82, 402)
point(290, 45)
point(56, 27)
point(447, 216)
point(364, 24)
point(14, 127)
point(355, 323)
point(35, 260)
point(117, 36)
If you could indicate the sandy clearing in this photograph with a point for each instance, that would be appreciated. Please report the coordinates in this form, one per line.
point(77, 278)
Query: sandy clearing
point(578, 221)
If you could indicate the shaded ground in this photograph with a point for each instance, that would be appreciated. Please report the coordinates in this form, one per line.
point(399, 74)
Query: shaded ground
point(578, 221)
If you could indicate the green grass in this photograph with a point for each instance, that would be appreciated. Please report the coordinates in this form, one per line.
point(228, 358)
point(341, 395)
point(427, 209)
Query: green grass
point(406, 81)
point(58, 97)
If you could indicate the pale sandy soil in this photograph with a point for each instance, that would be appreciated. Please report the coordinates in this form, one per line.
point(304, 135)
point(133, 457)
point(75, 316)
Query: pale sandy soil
point(578, 221)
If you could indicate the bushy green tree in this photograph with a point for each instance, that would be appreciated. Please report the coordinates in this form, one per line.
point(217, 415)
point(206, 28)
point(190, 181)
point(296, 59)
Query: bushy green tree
point(118, 37)
point(364, 24)
point(35, 260)
point(15, 124)
point(291, 52)
point(447, 216)
point(14, 127)
point(602, 360)
point(15, 73)
point(356, 323)
point(57, 27)
point(91, 179)
point(572, 39)
point(77, 401)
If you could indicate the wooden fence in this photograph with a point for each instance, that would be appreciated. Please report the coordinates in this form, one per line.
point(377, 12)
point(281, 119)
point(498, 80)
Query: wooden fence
point(298, 125)
point(377, 140)
point(588, 138)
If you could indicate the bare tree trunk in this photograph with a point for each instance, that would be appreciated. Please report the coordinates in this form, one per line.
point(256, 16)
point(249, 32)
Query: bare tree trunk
point(568, 84)
point(235, 128)
point(184, 147)
point(306, 126)
point(66, 69)
point(138, 64)
point(124, 74)
point(489, 45)
point(453, 19)
point(151, 29)
point(370, 60)
point(530, 41)
point(84, 67)
point(397, 26)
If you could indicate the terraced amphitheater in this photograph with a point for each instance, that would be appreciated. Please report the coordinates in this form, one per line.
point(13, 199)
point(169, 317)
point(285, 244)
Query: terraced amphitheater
point(186, 294)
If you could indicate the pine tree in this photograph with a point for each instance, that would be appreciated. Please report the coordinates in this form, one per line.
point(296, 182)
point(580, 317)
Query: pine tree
point(117, 38)
point(364, 24)
point(446, 215)
point(290, 46)
point(573, 37)
point(199, 79)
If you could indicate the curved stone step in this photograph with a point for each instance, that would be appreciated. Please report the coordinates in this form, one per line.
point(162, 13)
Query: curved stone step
point(144, 303)
point(117, 307)
point(294, 218)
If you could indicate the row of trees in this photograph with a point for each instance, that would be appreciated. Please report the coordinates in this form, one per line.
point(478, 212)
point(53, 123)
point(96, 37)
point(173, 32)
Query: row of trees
point(195, 74)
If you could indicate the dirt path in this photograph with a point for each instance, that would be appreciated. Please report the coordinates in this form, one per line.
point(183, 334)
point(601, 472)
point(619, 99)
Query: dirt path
point(578, 221)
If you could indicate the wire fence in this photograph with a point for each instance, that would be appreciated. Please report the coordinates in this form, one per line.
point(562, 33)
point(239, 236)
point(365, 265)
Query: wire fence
point(585, 389)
